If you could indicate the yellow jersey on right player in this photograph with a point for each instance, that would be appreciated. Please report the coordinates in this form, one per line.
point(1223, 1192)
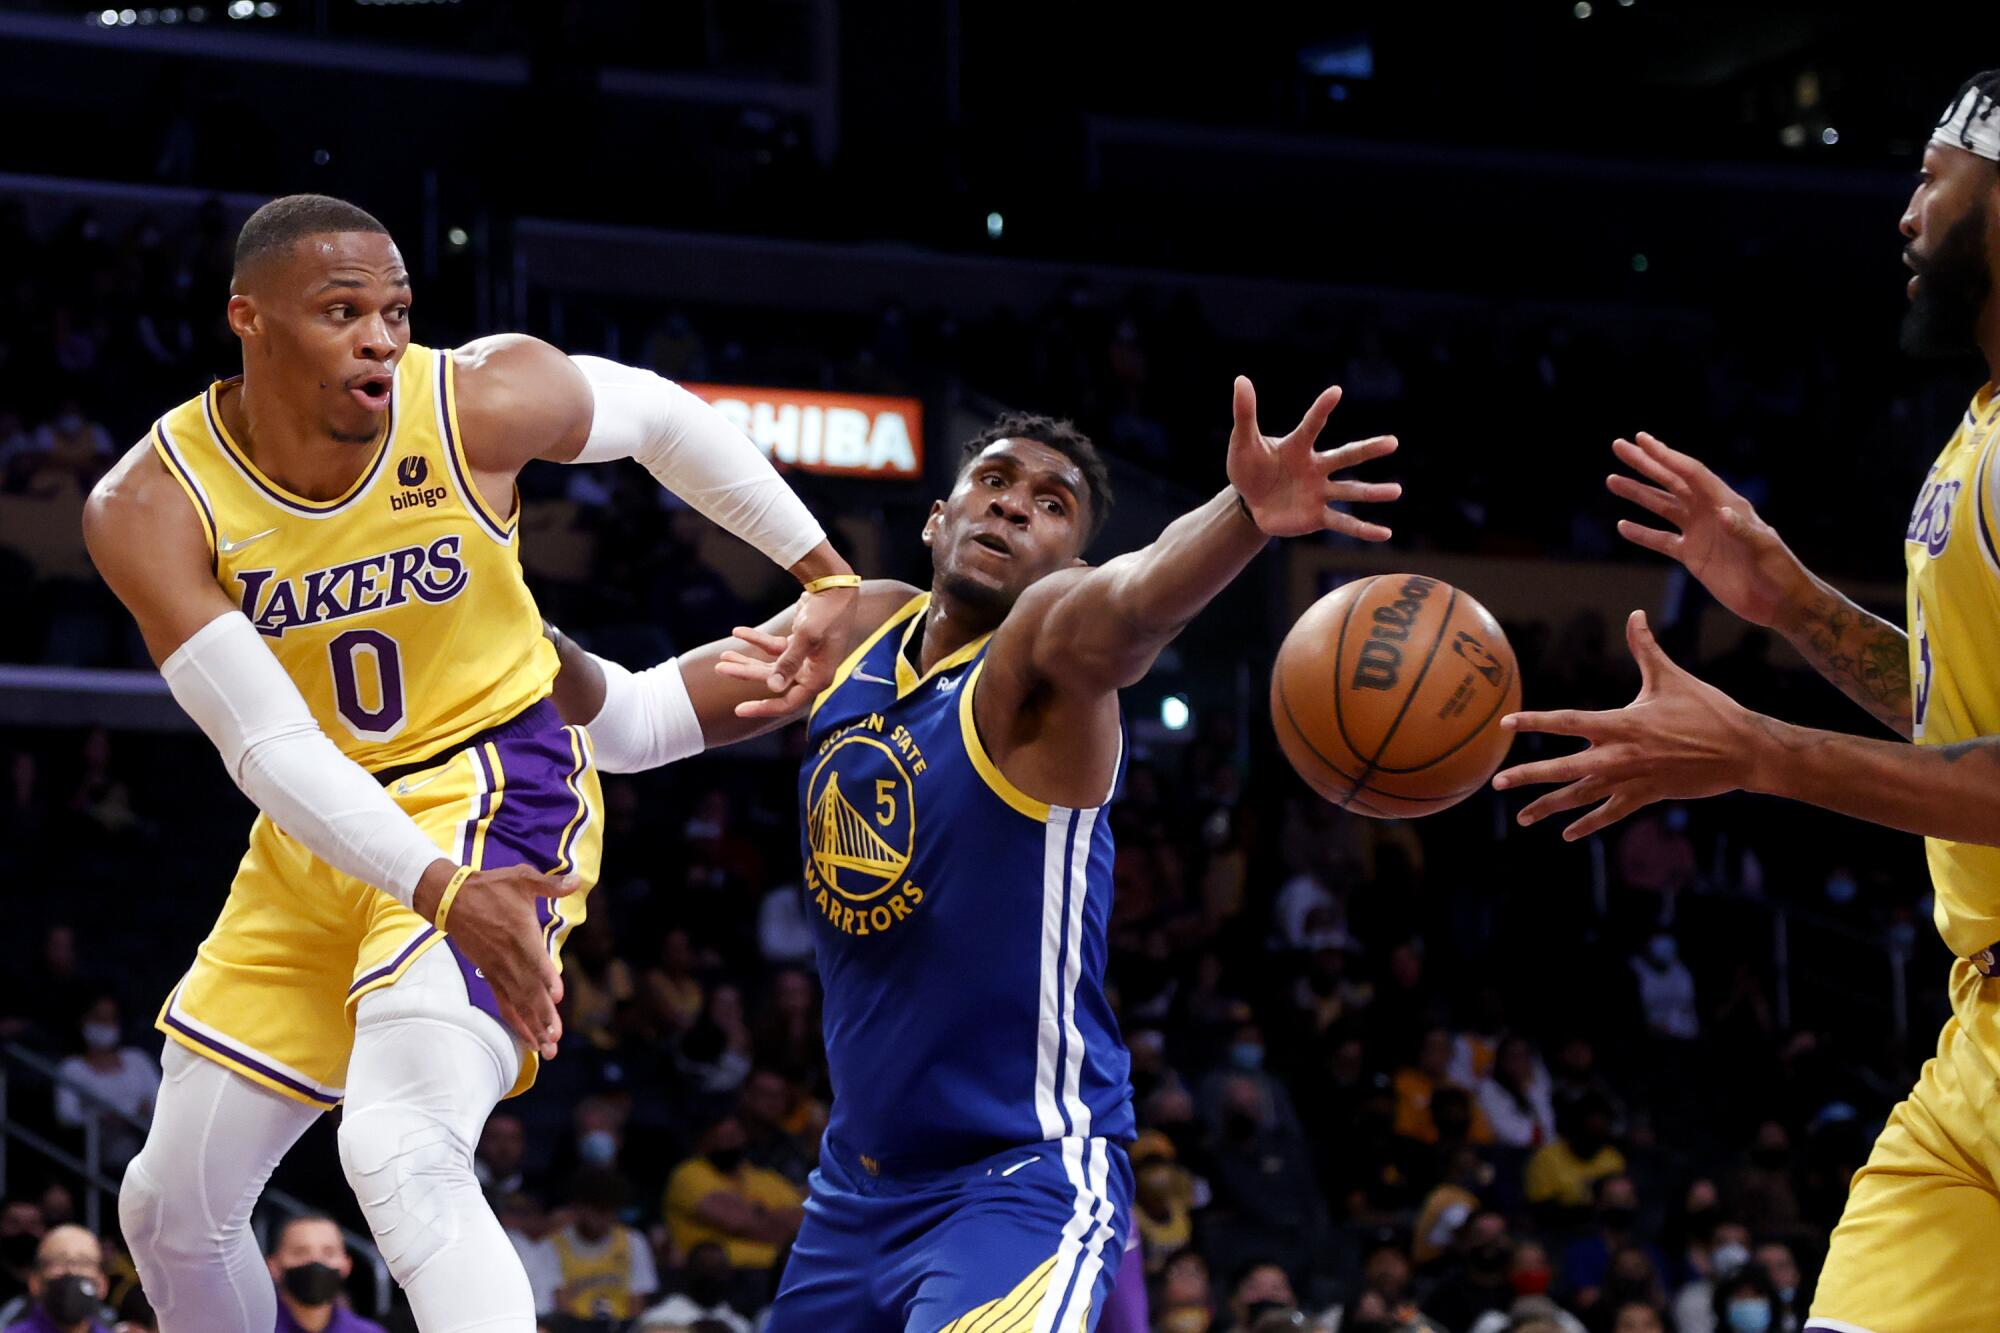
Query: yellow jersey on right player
point(1952, 549)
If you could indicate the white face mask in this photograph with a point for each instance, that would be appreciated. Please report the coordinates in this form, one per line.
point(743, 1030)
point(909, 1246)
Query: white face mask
point(1728, 1257)
point(101, 1036)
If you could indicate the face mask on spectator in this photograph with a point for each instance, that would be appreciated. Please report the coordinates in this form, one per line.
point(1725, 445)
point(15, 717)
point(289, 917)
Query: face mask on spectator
point(726, 1160)
point(101, 1036)
point(1841, 889)
point(708, 1289)
point(1728, 1257)
point(1750, 1315)
point(1247, 1055)
point(70, 1299)
point(313, 1283)
point(598, 1148)
point(1662, 949)
point(1531, 1281)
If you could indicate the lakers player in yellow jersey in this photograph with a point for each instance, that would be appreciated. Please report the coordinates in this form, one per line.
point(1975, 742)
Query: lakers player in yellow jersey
point(322, 555)
point(1915, 1247)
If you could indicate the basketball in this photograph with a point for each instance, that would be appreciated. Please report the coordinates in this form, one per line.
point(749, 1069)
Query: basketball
point(1388, 694)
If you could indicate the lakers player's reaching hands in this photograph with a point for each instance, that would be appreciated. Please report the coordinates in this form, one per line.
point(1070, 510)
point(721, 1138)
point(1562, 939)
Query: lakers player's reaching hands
point(492, 919)
point(1719, 538)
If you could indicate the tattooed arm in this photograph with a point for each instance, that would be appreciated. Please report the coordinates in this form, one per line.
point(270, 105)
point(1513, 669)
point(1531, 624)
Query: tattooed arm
point(1741, 559)
point(1865, 656)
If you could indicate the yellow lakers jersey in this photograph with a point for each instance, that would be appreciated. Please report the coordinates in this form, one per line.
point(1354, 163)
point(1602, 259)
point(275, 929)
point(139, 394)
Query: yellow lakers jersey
point(1952, 548)
point(398, 608)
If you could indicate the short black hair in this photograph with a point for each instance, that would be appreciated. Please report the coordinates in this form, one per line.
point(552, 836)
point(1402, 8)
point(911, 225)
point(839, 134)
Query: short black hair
point(282, 223)
point(1061, 436)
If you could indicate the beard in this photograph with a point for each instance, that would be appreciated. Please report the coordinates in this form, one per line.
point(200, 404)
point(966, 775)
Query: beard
point(1952, 287)
point(971, 592)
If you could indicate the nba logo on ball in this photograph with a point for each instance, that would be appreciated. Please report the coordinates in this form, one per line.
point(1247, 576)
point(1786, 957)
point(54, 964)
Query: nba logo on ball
point(1388, 694)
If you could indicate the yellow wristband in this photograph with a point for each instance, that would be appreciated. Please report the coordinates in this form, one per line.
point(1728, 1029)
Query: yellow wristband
point(834, 581)
point(458, 878)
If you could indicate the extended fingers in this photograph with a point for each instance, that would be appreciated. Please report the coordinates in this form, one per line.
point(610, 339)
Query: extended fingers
point(1668, 544)
point(1578, 767)
point(1651, 498)
point(1604, 816)
point(1563, 798)
point(1642, 461)
point(1360, 528)
point(1316, 415)
point(782, 705)
point(1560, 722)
point(1357, 453)
point(1363, 492)
point(770, 644)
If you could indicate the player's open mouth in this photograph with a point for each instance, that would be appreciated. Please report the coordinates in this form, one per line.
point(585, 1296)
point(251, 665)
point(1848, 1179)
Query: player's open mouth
point(991, 543)
point(372, 393)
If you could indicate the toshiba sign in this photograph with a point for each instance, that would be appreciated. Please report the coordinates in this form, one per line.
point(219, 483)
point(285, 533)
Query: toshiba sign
point(841, 434)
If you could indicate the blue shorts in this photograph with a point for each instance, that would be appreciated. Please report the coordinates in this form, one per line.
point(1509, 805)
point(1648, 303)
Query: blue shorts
point(1029, 1239)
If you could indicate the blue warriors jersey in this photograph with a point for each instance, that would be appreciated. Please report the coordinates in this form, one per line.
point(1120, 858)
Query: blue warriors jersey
point(960, 925)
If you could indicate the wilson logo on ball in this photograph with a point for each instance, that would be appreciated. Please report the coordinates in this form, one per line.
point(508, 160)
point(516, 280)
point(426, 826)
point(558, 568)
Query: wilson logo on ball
point(1379, 664)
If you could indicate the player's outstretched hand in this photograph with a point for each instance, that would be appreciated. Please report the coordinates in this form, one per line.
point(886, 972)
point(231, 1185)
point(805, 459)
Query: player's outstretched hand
point(1736, 555)
point(756, 666)
point(818, 641)
point(1680, 739)
point(494, 923)
point(1290, 486)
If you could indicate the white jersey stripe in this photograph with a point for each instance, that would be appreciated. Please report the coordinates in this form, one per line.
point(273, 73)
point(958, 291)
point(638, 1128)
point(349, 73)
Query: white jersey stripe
point(1097, 1243)
point(1073, 1250)
point(1071, 1075)
point(1048, 1029)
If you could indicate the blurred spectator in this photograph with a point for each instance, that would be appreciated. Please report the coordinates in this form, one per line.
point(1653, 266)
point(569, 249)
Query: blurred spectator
point(1386, 1274)
point(1775, 1258)
point(69, 452)
point(1745, 1302)
point(1163, 1199)
point(1637, 1317)
point(607, 1267)
point(784, 934)
point(1262, 1175)
point(704, 1294)
point(595, 980)
point(719, 1197)
point(1529, 1314)
point(598, 1134)
point(106, 1083)
point(310, 1263)
point(1262, 1286)
point(1728, 1252)
point(1655, 855)
point(1451, 1205)
point(1245, 1065)
point(788, 1036)
point(66, 1288)
point(1666, 990)
point(54, 989)
point(673, 990)
point(21, 1232)
point(1562, 1174)
point(768, 1108)
point(1418, 1083)
point(1586, 1264)
point(1325, 995)
point(1186, 1301)
point(1761, 1191)
point(717, 1052)
point(1516, 1098)
point(1478, 1281)
point(503, 1145)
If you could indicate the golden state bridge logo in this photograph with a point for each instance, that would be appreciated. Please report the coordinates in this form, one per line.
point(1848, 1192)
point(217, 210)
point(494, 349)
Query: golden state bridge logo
point(861, 824)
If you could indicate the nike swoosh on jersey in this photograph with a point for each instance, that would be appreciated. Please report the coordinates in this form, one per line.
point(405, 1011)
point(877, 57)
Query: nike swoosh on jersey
point(872, 680)
point(226, 546)
point(405, 787)
point(1018, 1165)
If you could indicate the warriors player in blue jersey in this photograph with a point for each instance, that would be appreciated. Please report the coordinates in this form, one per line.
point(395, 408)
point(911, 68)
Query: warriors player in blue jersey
point(958, 866)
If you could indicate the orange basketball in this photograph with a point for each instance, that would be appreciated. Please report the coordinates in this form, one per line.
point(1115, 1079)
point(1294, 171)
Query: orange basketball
point(1388, 695)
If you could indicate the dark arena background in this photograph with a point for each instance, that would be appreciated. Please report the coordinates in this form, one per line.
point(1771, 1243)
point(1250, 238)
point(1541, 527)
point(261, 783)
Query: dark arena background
point(1447, 1073)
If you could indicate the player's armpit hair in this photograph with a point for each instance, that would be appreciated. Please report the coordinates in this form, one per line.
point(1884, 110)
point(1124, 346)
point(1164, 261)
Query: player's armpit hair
point(283, 222)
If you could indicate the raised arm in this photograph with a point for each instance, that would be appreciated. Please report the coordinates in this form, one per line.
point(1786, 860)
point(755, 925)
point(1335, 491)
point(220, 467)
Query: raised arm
point(520, 398)
point(154, 553)
point(1741, 559)
point(1091, 632)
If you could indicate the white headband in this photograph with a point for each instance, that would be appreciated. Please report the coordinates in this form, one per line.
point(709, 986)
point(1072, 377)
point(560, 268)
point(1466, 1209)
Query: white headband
point(1969, 123)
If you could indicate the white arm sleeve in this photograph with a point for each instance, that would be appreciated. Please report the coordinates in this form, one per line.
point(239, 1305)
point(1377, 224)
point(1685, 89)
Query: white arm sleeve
point(647, 719)
point(236, 692)
point(693, 451)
